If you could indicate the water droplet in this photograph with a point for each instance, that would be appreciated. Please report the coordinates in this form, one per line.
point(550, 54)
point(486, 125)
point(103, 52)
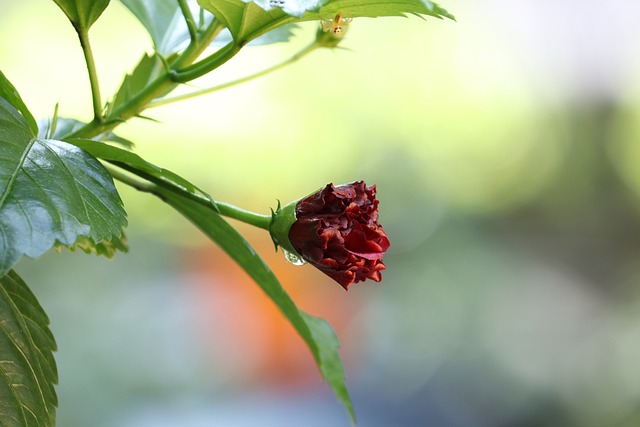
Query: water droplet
point(293, 258)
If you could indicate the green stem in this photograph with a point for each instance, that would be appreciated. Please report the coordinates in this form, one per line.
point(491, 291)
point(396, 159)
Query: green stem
point(292, 59)
point(191, 25)
point(83, 35)
point(252, 218)
point(167, 81)
point(158, 87)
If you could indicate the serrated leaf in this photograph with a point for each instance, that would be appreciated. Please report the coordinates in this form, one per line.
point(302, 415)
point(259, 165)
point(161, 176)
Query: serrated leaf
point(248, 20)
point(106, 248)
point(50, 191)
point(82, 13)
point(65, 126)
point(9, 92)
point(149, 67)
point(27, 367)
point(137, 165)
point(317, 333)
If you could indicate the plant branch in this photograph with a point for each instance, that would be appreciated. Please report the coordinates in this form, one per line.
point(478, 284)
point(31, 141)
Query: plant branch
point(290, 60)
point(167, 81)
point(158, 87)
point(83, 35)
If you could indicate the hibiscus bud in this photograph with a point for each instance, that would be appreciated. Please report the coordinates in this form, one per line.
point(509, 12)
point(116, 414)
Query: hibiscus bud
point(336, 230)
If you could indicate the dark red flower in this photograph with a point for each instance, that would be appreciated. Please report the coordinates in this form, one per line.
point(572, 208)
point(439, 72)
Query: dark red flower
point(336, 230)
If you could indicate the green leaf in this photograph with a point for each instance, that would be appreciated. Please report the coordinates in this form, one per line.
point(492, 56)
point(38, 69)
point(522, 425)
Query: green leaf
point(330, 363)
point(27, 367)
point(137, 165)
point(82, 13)
point(167, 27)
point(8, 92)
point(165, 23)
point(317, 333)
point(247, 20)
point(65, 126)
point(50, 191)
point(149, 68)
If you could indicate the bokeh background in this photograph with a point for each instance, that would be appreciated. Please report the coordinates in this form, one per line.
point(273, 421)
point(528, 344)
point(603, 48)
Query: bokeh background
point(505, 150)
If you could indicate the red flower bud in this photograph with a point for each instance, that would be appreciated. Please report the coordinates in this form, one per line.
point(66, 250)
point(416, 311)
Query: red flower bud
point(336, 229)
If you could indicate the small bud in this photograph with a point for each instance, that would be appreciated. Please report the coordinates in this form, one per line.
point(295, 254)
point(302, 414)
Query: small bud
point(336, 230)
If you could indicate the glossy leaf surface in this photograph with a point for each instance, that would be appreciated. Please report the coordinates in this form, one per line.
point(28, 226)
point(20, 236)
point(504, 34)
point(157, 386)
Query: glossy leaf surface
point(50, 191)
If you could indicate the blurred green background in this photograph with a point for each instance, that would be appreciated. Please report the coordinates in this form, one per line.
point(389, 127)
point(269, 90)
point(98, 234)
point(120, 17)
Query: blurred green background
point(505, 150)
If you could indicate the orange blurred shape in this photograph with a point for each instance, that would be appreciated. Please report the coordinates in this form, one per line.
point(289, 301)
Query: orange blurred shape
point(245, 330)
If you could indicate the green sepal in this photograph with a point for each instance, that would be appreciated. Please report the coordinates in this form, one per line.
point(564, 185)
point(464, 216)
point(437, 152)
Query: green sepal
point(281, 221)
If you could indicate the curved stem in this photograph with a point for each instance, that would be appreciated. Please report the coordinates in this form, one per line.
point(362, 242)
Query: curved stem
point(83, 35)
point(206, 65)
point(294, 58)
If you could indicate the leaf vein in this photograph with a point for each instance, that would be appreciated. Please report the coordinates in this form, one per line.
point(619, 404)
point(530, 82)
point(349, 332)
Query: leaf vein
point(14, 175)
